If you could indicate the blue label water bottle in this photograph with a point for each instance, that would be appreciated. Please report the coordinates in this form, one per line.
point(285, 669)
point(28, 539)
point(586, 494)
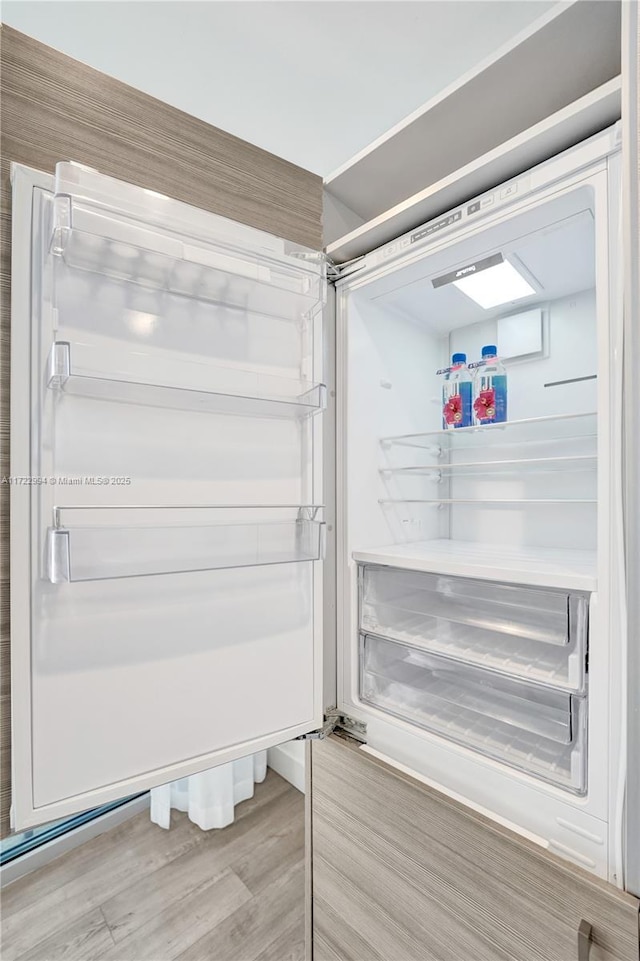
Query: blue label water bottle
point(457, 394)
point(490, 389)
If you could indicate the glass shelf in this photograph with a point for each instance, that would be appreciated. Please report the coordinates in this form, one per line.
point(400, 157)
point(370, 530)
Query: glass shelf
point(556, 568)
point(536, 430)
point(100, 543)
point(111, 228)
point(538, 465)
point(239, 392)
point(484, 501)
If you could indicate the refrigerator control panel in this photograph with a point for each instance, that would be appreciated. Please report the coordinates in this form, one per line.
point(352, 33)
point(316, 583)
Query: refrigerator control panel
point(487, 203)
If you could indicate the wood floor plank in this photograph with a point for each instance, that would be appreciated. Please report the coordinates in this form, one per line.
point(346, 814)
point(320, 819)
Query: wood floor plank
point(136, 833)
point(85, 939)
point(288, 947)
point(149, 899)
point(71, 892)
point(256, 925)
point(53, 897)
point(280, 846)
point(187, 920)
point(249, 837)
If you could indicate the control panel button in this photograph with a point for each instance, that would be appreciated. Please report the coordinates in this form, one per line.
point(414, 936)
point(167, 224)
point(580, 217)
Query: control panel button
point(508, 191)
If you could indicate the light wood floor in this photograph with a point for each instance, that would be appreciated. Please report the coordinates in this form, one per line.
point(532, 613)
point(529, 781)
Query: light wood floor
point(139, 893)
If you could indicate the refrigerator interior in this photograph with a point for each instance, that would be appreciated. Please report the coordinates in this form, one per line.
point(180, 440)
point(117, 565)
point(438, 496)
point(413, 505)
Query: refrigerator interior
point(175, 381)
point(510, 506)
point(529, 483)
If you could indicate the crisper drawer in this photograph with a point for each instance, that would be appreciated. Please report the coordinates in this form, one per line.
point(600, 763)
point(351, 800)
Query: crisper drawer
point(527, 726)
point(540, 635)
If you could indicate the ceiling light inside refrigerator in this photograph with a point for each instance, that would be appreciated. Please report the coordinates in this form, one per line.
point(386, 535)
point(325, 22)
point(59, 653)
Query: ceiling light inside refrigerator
point(497, 283)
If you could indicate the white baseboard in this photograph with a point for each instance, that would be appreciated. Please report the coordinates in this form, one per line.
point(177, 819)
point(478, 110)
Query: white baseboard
point(287, 760)
point(50, 850)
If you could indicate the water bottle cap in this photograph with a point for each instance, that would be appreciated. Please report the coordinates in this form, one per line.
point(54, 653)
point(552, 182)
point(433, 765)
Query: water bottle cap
point(458, 358)
point(490, 351)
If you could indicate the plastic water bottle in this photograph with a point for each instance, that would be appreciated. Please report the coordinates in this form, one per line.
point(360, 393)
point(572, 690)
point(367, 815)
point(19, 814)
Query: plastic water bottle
point(457, 394)
point(490, 389)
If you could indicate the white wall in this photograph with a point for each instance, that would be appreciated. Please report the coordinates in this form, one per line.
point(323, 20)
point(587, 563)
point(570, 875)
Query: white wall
point(314, 82)
point(288, 761)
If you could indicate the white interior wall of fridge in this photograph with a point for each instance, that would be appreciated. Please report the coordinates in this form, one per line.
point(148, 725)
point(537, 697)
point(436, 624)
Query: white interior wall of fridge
point(568, 355)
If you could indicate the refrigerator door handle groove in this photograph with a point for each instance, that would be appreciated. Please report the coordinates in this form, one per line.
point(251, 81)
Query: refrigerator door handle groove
point(584, 940)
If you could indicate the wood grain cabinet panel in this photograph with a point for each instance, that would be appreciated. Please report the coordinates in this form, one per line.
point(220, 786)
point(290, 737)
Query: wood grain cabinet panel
point(403, 873)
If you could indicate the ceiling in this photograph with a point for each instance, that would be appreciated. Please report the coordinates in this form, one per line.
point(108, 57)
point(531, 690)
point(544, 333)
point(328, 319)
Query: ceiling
point(314, 81)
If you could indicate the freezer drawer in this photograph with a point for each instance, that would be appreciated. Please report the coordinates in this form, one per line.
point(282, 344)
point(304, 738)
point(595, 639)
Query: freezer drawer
point(527, 726)
point(540, 635)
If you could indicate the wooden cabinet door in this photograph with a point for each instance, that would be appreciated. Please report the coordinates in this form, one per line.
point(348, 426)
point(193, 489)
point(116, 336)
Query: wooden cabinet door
point(400, 872)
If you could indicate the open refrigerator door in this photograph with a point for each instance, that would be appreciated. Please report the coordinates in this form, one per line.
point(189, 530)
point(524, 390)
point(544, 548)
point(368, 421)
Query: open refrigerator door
point(167, 398)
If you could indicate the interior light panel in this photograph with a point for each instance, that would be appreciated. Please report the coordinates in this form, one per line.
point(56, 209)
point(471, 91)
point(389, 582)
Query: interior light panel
point(489, 282)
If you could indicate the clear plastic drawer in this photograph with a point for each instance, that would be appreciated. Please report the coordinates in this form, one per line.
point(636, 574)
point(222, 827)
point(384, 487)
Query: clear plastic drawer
point(538, 635)
point(527, 726)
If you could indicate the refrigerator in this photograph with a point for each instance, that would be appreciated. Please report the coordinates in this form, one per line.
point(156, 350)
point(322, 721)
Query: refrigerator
point(237, 518)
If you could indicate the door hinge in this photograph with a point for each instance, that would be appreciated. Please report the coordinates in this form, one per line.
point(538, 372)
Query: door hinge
point(336, 271)
point(332, 721)
point(333, 270)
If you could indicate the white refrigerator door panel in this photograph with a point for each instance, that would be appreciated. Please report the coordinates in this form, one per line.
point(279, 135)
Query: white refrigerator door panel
point(631, 456)
point(214, 454)
point(132, 678)
point(166, 543)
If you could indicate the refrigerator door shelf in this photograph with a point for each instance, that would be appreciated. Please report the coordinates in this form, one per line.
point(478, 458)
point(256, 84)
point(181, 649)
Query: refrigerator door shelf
point(526, 726)
point(186, 272)
point(81, 190)
point(89, 544)
point(107, 242)
point(142, 379)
